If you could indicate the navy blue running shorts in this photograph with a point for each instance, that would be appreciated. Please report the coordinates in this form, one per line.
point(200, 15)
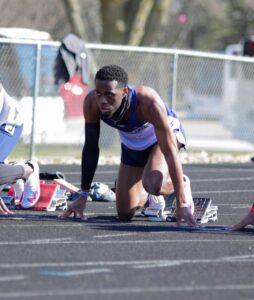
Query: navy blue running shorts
point(135, 158)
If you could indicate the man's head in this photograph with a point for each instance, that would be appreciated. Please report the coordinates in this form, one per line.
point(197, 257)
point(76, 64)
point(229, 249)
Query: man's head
point(113, 73)
point(110, 88)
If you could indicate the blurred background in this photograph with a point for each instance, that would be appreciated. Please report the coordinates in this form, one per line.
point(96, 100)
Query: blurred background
point(197, 54)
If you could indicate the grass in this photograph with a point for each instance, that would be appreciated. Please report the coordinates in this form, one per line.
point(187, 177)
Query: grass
point(71, 154)
point(57, 153)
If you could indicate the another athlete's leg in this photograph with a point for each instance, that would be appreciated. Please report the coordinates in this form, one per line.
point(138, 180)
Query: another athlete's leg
point(10, 173)
point(130, 194)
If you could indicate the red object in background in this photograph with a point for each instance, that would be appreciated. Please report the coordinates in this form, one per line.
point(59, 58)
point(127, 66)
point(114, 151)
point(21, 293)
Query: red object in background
point(73, 93)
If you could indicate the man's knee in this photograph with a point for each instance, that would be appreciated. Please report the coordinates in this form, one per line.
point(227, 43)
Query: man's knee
point(125, 215)
point(152, 185)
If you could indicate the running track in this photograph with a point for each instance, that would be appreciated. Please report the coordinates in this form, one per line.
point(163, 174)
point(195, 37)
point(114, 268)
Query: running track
point(107, 259)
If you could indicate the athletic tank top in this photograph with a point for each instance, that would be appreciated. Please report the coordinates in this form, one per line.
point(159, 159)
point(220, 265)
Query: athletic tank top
point(135, 134)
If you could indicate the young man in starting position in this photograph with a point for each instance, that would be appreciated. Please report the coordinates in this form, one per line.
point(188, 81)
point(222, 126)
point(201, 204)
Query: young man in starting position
point(151, 136)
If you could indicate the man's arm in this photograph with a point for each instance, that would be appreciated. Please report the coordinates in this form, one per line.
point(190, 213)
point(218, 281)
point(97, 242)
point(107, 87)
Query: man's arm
point(155, 113)
point(90, 156)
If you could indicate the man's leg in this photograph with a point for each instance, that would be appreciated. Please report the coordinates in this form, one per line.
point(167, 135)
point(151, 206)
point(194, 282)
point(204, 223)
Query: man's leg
point(130, 193)
point(156, 179)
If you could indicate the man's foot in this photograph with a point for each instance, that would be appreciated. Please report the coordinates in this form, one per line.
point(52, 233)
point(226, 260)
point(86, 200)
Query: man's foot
point(32, 187)
point(154, 206)
point(160, 206)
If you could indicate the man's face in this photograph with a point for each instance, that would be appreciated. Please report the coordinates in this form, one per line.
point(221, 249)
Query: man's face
point(109, 96)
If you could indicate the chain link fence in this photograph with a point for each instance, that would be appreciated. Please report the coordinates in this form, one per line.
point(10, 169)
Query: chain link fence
point(211, 93)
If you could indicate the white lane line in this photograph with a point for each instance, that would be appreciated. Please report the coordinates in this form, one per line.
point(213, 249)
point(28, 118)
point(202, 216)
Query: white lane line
point(136, 264)
point(114, 235)
point(75, 273)
point(127, 290)
point(237, 257)
point(224, 179)
point(53, 242)
point(158, 265)
point(12, 278)
point(231, 204)
point(67, 224)
point(217, 170)
point(97, 172)
point(223, 192)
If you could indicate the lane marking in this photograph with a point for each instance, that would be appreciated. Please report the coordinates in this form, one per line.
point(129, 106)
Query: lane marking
point(215, 170)
point(114, 235)
point(12, 278)
point(223, 179)
point(65, 242)
point(42, 225)
point(75, 273)
point(136, 264)
point(223, 192)
point(127, 290)
point(53, 240)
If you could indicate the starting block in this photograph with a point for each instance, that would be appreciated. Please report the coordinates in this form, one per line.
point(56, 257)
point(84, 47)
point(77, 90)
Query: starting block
point(52, 198)
point(204, 212)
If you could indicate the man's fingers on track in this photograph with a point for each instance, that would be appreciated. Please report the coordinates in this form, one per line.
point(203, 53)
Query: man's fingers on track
point(66, 214)
point(4, 209)
point(240, 225)
point(191, 221)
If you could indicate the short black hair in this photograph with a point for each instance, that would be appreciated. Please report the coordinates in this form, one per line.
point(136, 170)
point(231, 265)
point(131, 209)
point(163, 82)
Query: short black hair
point(111, 73)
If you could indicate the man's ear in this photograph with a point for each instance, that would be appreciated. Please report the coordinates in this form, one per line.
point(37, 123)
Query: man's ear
point(125, 90)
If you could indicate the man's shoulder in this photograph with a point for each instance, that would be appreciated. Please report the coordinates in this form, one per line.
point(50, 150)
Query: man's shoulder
point(144, 90)
point(91, 108)
point(90, 95)
point(145, 94)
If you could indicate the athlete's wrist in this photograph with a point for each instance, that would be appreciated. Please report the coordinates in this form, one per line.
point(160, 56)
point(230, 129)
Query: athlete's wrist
point(83, 193)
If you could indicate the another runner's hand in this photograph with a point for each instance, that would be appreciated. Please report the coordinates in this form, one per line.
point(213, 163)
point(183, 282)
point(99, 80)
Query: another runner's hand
point(248, 220)
point(77, 207)
point(183, 213)
point(3, 209)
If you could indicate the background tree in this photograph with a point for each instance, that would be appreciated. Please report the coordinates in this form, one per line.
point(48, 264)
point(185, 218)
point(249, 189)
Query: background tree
point(195, 24)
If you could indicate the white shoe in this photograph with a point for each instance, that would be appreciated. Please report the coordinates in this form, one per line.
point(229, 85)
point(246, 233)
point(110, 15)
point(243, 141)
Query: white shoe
point(31, 188)
point(154, 205)
point(188, 194)
point(18, 188)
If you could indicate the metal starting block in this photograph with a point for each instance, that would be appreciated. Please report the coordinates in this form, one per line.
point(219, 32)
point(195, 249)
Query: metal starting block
point(203, 212)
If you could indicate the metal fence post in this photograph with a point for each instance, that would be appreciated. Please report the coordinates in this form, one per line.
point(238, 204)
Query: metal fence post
point(174, 81)
point(35, 95)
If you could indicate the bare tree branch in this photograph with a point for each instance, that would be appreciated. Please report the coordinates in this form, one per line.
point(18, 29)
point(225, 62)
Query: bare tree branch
point(139, 23)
